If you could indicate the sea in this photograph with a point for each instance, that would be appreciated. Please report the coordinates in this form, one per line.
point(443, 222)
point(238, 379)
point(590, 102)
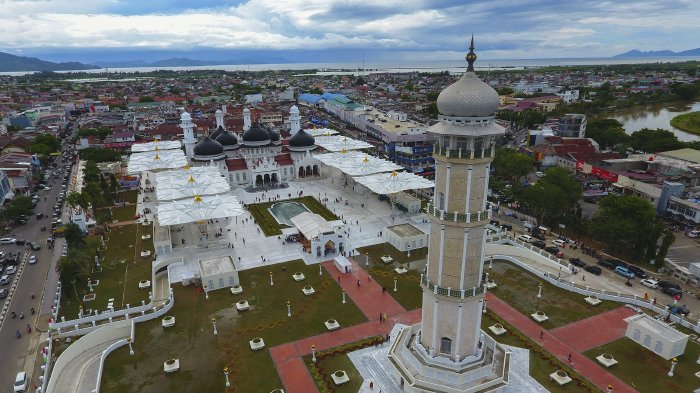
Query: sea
point(453, 66)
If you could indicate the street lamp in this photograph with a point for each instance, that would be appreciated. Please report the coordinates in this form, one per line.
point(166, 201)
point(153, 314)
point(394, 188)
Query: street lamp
point(313, 353)
point(228, 384)
point(367, 260)
point(320, 273)
point(673, 365)
point(408, 247)
point(289, 308)
point(395, 280)
point(131, 348)
point(484, 310)
point(213, 322)
point(490, 263)
point(206, 293)
point(344, 303)
point(539, 296)
point(271, 282)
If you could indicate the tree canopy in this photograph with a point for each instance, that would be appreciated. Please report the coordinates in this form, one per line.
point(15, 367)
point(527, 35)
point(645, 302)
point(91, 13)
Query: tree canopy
point(511, 165)
point(553, 198)
point(607, 132)
point(650, 141)
point(99, 154)
point(18, 206)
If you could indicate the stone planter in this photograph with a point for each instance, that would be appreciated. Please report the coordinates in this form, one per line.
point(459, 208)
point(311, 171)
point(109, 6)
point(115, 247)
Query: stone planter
point(146, 253)
point(308, 290)
point(89, 297)
point(168, 321)
point(145, 237)
point(539, 316)
point(256, 344)
point(236, 289)
point(298, 276)
point(490, 284)
point(606, 360)
point(332, 324)
point(560, 377)
point(401, 270)
point(143, 284)
point(593, 300)
point(171, 365)
point(340, 377)
point(242, 305)
point(497, 329)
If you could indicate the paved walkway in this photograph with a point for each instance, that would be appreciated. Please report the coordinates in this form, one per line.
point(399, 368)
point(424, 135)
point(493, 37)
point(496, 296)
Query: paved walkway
point(586, 367)
point(369, 298)
point(599, 330)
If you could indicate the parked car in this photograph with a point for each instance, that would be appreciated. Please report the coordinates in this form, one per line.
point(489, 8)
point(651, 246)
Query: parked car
point(638, 271)
point(34, 246)
point(506, 227)
point(3, 293)
point(7, 240)
point(539, 174)
point(32, 260)
point(593, 269)
point(624, 272)
point(494, 223)
point(694, 234)
point(577, 262)
point(552, 250)
point(11, 270)
point(648, 282)
point(21, 382)
point(4, 280)
point(539, 235)
point(668, 284)
point(672, 292)
point(522, 238)
point(20, 242)
point(678, 309)
point(559, 243)
point(606, 263)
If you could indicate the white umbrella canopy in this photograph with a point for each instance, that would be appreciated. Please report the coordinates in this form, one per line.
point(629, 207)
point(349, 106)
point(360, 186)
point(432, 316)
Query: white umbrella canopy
point(198, 208)
point(337, 143)
point(320, 131)
point(182, 183)
point(391, 183)
point(155, 145)
point(354, 163)
point(157, 159)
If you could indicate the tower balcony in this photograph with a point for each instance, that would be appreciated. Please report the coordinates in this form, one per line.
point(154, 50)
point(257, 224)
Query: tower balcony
point(459, 294)
point(466, 154)
point(457, 217)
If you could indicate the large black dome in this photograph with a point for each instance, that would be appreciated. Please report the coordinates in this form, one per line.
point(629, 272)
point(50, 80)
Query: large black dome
point(217, 132)
point(256, 133)
point(302, 139)
point(208, 147)
point(226, 138)
point(274, 137)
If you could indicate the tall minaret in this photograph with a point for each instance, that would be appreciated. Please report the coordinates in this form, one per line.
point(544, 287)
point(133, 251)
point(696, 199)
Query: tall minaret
point(246, 119)
point(294, 120)
point(219, 114)
point(449, 339)
point(188, 131)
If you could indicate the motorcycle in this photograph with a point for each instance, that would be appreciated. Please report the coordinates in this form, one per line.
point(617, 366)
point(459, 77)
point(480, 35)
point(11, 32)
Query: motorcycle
point(21, 315)
point(32, 310)
point(14, 315)
point(19, 334)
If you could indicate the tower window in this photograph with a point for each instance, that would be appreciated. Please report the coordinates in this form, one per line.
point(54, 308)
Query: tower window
point(442, 201)
point(446, 346)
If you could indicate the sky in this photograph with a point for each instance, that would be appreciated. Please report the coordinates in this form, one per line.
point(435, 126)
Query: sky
point(386, 29)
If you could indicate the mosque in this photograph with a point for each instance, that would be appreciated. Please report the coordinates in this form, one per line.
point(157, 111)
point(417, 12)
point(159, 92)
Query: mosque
point(258, 158)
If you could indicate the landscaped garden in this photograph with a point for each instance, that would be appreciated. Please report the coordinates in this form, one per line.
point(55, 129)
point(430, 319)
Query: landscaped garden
point(409, 294)
point(646, 371)
point(203, 356)
point(269, 224)
point(519, 289)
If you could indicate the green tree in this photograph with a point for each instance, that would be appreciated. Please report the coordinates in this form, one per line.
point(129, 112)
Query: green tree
point(74, 235)
point(98, 154)
point(77, 199)
point(146, 99)
point(511, 165)
point(607, 132)
point(686, 92)
point(650, 141)
point(553, 199)
point(504, 91)
point(17, 207)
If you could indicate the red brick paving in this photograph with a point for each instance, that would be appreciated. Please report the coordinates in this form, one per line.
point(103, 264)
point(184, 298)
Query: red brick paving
point(588, 368)
point(595, 331)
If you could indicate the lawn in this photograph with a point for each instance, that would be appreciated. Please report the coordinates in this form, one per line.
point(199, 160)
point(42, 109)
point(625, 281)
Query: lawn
point(519, 289)
point(646, 371)
point(688, 122)
point(409, 293)
point(203, 355)
point(269, 224)
point(123, 213)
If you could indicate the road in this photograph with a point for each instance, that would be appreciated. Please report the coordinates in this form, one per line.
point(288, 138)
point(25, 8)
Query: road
point(31, 280)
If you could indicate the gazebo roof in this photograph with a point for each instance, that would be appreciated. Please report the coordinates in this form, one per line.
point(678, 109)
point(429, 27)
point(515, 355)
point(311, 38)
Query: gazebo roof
point(154, 146)
point(183, 183)
point(390, 183)
point(336, 143)
point(157, 159)
point(354, 163)
point(198, 208)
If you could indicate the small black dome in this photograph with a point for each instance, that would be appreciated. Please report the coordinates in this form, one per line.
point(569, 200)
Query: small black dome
point(274, 137)
point(302, 139)
point(226, 138)
point(256, 133)
point(217, 132)
point(208, 147)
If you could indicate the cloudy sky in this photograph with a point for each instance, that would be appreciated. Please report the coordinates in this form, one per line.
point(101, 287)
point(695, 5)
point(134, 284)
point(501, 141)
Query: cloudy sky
point(419, 29)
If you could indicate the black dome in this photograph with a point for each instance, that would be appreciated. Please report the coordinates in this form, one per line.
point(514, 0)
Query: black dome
point(256, 133)
point(217, 132)
point(208, 147)
point(274, 137)
point(302, 139)
point(226, 138)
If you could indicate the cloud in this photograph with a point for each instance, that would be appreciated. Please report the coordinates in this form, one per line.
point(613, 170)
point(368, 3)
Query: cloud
point(530, 28)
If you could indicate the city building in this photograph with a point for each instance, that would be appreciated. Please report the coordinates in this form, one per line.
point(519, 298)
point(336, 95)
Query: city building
point(572, 125)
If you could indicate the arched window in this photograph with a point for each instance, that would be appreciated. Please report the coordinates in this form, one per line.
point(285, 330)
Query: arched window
point(446, 346)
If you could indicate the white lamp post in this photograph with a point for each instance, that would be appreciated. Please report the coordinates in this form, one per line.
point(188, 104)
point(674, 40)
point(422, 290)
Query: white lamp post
point(673, 366)
point(484, 310)
point(206, 293)
point(408, 247)
point(395, 280)
point(490, 263)
point(272, 283)
point(228, 384)
point(289, 308)
point(320, 273)
point(213, 322)
point(131, 348)
point(367, 260)
point(539, 296)
point(313, 353)
point(344, 303)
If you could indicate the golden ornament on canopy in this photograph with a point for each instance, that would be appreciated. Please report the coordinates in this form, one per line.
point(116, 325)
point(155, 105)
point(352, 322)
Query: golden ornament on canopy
point(197, 198)
point(190, 179)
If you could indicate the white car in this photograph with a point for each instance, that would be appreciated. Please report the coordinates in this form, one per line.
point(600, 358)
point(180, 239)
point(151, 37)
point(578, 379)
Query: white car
point(559, 242)
point(32, 259)
point(648, 282)
point(525, 238)
point(11, 270)
point(4, 280)
point(8, 240)
point(21, 382)
point(694, 234)
point(539, 174)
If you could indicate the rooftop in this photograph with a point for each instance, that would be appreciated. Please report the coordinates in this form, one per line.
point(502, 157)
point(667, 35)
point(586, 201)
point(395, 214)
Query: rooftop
point(217, 265)
point(405, 230)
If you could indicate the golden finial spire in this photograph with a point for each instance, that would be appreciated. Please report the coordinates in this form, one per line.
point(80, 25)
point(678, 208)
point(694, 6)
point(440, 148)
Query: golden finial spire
point(394, 174)
point(190, 179)
point(156, 157)
point(197, 198)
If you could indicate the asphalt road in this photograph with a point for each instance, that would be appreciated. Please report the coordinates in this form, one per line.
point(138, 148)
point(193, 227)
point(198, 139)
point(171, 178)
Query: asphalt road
point(31, 280)
point(684, 250)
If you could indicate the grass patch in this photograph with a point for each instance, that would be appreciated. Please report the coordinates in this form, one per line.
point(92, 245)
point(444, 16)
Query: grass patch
point(646, 371)
point(269, 224)
point(409, 294)
point(203, 355)
point(335, 363)
point(336, 359)
point(688, 122)
point(124, 213)
point(519, 289)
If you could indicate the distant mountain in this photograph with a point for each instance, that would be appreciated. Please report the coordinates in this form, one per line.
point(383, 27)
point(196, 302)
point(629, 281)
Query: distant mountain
point(185, 62)
point(658, 53)
point(10, 63)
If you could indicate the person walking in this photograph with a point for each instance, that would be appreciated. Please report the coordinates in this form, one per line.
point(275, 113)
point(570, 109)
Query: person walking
point(358, 283)
point(569, 357)
point(541, 335)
